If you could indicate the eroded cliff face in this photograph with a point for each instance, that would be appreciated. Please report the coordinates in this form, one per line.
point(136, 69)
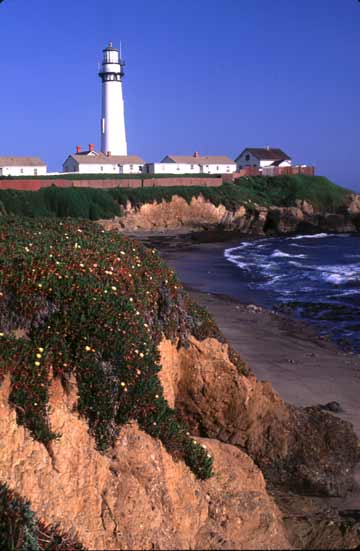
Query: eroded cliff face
point(136, 496)
point(304, 449)
point(252, 219)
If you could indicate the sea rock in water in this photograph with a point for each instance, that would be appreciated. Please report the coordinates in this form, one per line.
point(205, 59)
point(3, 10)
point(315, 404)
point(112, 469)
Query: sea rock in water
point(334, 407)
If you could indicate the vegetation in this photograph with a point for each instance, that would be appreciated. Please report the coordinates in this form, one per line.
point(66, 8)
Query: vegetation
point(20, 530)
point(88, 203)
point(76, 300)
point(284, 191)
point(94, 204)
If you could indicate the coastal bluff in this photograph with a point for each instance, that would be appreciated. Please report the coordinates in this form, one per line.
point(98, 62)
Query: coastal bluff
point(201, 213)
point(128, 420)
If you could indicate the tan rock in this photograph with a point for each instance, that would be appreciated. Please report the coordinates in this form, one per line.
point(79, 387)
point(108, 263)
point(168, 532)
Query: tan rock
point(136, 496)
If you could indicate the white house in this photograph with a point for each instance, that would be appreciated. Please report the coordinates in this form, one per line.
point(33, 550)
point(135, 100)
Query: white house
point(22, 166)
point(93, 162)
point(192, 164)
point(260, 157)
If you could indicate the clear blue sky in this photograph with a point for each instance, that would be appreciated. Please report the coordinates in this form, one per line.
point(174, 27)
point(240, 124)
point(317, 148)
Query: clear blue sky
point(208, 75)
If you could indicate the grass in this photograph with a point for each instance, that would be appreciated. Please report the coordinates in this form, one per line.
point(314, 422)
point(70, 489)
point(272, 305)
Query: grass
point(94, 204)
point(95, 305)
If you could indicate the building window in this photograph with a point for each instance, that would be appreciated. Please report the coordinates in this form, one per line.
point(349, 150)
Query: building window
point(35, 171)
point(140, 168)
point(247, 157)
point(131, 167)
point(192, 167)
point(217, 168)
point(101, 168)
point(21, 171)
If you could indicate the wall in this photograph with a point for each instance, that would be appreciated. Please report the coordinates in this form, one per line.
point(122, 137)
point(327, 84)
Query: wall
point(173, 168)
point(219, 169)
point(26, 170)
point(241, 162)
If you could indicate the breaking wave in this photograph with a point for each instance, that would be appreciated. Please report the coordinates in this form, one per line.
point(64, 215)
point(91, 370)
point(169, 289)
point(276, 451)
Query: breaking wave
point(321, 282)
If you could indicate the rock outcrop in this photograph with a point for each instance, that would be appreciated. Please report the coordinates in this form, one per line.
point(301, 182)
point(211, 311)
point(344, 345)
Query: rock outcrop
point(306, 450)
point(251, 219)
point(136, 496)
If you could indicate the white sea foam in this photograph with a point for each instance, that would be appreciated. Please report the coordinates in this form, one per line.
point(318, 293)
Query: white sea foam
point(278, 254)
point(315, 236)
point(340, 274)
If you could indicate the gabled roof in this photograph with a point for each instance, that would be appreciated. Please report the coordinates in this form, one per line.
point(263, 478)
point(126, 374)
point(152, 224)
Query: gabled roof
point(21, 161)
point(102, 159)
point(203, 160)
point(266, 154)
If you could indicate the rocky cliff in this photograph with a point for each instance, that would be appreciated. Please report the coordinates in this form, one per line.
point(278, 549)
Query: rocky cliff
point(200, 213)
point(126, 418)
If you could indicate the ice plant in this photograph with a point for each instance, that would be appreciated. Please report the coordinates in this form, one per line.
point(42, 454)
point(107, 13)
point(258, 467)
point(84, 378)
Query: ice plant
point(71, 324)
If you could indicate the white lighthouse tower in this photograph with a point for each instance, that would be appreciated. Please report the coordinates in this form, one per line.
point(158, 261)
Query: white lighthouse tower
point(113, 137)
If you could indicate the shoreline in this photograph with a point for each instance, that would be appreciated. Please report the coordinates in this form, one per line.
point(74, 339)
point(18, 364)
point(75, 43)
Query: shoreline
point(305, 368)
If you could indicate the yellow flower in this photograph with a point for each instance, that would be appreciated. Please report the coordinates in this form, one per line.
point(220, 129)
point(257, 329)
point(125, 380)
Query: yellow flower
point(122, 383)
point(37, 364)
point(39, 285)
point(87, 348)
point(1, 334)
point(40, 349)
point(113, 288)
point(38, 355)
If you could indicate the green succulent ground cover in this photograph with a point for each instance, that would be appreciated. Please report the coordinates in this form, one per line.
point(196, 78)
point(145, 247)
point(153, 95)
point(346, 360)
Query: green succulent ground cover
point(76, 300)
point(21, 530)
point(95, 204)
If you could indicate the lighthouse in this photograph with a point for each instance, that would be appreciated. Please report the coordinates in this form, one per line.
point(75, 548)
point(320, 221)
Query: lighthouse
point(113, 136)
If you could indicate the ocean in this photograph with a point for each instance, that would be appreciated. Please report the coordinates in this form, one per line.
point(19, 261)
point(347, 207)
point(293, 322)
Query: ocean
point(315, 278)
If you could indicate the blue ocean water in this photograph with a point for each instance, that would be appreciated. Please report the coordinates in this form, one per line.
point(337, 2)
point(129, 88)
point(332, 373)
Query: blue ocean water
point(315, 278)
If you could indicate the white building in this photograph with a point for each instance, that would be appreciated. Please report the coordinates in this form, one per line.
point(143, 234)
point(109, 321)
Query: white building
point(195, 164)
point(93, 162)
point(22, 166)
point(261, 157)
point(113, 137)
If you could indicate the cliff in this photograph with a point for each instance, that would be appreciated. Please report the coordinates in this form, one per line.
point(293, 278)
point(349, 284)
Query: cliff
point(200, 213)
point(127, 420)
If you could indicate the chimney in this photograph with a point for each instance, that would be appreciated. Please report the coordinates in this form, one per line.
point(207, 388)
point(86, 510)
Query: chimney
point(91, 147)
point(196, 154)
point(108, 153)
point(78, 149)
